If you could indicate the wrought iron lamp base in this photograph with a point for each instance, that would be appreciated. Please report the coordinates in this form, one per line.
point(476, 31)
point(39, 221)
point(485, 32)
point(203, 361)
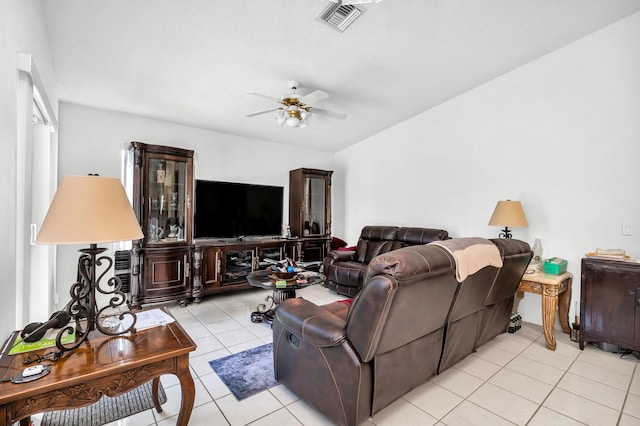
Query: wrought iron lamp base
point(83, 309)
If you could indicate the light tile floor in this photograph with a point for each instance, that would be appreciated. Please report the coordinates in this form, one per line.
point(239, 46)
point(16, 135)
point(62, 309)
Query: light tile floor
point(513, 379)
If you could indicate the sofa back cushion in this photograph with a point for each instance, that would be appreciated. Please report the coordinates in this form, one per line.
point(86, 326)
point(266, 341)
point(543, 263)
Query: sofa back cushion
point(375, 240)
point(498, 305)
point(407, 294)
point(417, 236)
point(516, 256)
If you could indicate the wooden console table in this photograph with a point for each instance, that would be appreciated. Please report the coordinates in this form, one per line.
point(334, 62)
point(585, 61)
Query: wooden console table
point(556, 292)
point(103, 365)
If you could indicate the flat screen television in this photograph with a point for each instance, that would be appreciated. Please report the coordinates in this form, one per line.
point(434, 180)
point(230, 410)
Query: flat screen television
point(233, 210)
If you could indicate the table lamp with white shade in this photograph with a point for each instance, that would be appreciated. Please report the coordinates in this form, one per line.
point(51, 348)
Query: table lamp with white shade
point(91, 210)
point(508, 213)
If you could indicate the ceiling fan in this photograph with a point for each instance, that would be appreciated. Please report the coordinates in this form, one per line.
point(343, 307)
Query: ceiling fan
point(355, 1)
point(296, 110)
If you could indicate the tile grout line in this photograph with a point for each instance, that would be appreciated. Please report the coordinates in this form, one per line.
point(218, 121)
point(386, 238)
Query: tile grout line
point(566, 371)
point(626, 396)
point(530, 344)
point(466, 398)
point(502, 367)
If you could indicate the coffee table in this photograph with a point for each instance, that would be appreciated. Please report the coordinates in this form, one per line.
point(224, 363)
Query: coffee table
point(261, 279)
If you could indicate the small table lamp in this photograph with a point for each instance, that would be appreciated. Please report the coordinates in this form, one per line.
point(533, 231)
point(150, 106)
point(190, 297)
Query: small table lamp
point(508, 213)
point(90, 210)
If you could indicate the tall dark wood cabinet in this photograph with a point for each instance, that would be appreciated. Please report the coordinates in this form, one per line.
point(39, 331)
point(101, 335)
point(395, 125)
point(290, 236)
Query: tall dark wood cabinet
point(159, 180)
point(610, 303)
point(310, 212)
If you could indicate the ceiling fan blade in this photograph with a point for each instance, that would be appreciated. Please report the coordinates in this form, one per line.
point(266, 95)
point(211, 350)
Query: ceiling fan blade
point(314, 97)
point(253, 114)
point(260, 95)
point(332, 114)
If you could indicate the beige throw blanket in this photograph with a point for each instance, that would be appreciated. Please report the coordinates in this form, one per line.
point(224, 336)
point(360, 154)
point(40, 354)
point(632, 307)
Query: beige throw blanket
point(471, 255)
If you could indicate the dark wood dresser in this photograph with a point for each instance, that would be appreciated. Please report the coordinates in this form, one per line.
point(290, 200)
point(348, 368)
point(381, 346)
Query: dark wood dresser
point(610, 303)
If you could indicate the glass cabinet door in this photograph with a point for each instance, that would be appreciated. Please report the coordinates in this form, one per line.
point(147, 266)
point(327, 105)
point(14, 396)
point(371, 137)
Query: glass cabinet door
point(310, 204)
point(271, 253)
point(166, 201)
point(314, 206)
point(238, 263)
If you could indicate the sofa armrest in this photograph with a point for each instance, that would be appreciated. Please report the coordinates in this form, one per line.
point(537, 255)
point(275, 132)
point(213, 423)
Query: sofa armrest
point(341, 256)
point(311, 323)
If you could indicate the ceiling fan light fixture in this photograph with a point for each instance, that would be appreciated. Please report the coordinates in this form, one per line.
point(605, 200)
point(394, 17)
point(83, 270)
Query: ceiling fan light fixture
point(293, 122)
point(294, 109)
point(281, 116)
point(355, 1)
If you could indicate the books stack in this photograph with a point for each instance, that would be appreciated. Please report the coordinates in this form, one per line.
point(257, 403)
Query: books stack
point(619, 254)
point(48, 341)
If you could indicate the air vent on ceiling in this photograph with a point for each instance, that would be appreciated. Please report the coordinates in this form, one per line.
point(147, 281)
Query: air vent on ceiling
point(339, 16)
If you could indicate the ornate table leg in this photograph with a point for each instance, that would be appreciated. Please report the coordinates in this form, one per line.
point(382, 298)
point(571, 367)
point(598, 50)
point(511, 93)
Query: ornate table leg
point(262, 314)
point(154, 394)
point(188, 390)
point(282, 294)
point(564, 299)
point(549, 305)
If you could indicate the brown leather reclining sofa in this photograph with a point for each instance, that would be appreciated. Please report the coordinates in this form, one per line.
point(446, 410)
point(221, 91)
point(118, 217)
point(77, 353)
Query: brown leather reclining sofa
point(412, 319)
point(345, 270)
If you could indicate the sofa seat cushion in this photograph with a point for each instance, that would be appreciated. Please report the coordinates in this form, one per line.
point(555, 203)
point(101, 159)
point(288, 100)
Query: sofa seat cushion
point(349, 273)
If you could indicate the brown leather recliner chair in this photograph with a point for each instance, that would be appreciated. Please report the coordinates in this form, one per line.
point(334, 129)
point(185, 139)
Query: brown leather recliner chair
point(350, 362)
point(345, 270)
point(390, 337)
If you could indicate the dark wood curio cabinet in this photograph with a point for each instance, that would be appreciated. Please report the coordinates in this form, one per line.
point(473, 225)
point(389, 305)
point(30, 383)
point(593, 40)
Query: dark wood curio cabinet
point(610, 303)
point(310, 211)
point(159, 180)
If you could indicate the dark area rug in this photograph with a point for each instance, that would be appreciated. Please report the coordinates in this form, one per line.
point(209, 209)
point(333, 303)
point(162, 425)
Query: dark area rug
point(248, 372)
point(106, 410)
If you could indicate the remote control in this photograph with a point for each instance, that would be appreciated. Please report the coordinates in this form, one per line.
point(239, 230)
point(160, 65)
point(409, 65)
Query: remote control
point(33, 370)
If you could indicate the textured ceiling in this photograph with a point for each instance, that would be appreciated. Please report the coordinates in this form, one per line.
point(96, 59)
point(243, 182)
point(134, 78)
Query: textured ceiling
point(191, 62)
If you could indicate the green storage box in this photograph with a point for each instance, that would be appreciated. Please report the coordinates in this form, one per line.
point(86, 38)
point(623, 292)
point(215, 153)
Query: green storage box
point(555, 266)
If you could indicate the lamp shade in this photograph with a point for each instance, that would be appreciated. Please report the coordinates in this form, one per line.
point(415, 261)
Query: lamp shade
point(509, 213)
point(89, 210)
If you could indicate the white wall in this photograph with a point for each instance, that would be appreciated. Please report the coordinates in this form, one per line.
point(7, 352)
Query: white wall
point(561, 134)
point(22, 30)
point(91, 141)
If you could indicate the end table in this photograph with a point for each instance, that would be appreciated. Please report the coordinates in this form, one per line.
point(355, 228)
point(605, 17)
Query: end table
point(556, 292)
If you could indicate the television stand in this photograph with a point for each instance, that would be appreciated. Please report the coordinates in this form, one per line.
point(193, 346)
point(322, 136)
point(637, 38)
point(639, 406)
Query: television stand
point(222, 265)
